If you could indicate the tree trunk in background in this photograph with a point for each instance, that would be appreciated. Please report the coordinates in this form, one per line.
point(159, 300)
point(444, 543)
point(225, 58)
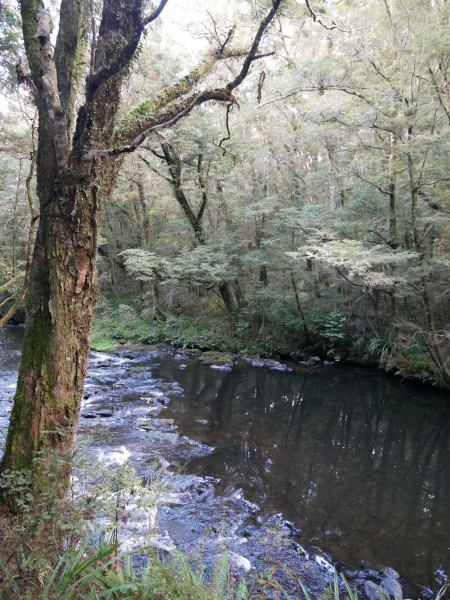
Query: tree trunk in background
point(392, 193)
point(230, 291)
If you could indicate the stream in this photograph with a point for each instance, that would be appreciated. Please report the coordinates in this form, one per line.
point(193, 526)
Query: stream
point(307, 467)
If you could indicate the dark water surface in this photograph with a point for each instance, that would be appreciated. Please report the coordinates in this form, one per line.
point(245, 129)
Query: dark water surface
point(358, 461)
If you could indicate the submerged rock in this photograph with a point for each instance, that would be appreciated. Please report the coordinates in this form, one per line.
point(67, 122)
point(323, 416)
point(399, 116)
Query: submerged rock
point(219, 359)
point(221, 368)
point(391, 585)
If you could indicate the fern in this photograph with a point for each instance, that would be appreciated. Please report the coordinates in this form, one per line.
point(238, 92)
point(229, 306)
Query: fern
point(219, 579)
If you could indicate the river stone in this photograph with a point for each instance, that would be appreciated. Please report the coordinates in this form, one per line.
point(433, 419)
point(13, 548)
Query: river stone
point(323, 563)
point(88, 415)
point(257, 363)
point(374, 591)
point(239, 562)
point(391, 585)
point(217, 358)
point(162, 400)
point(164, 425)
point(221, 368)
point(105, 412)
point(138, 370)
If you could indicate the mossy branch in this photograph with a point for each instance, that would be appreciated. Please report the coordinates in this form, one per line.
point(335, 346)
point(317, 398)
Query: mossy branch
point(12, 281)
point(172, 115)
point(143, 116)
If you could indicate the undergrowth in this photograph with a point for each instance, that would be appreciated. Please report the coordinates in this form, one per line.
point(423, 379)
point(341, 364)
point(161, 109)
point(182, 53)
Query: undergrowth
point(277, 330)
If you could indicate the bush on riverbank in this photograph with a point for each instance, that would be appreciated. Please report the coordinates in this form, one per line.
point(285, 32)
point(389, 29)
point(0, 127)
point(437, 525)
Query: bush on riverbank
point(278, 331)
point(51, 550)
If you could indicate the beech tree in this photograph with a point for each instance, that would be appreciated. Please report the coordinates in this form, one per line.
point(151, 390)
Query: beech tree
point(77, 160)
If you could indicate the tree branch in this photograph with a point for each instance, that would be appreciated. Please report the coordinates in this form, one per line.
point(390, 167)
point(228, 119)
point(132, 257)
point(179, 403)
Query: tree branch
point(155, 14)
point(380, 189)
point(111, 57)
point(55, 111)
point(252, 53)
point(150, 121)
point(328, 88)
point(66, 51)
point(317, 20)
point(165, 120)
point(12, 281)
point(142, 116)
point(168, 179)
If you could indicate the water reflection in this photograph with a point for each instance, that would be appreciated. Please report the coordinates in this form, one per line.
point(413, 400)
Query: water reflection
point(360, 462)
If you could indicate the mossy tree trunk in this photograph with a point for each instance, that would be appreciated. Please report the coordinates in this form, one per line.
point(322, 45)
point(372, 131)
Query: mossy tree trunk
point(74, 174)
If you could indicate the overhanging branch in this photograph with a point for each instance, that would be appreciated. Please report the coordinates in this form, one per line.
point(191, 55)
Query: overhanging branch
point(164, 121)
point(155, 14)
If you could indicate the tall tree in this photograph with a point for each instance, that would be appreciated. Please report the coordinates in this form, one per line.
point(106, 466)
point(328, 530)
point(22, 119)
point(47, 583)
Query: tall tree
point(77, 163)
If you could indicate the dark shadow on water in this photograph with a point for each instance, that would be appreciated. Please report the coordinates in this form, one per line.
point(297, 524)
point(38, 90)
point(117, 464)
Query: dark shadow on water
point(359, 461)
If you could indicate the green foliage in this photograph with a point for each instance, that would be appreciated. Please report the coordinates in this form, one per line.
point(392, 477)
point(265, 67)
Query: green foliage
point(10, 43)
point(330, 331)
point(96, 570)
point(413, 361)
point(204, 332)
point(116, 323)
point(46, 519)
point(382, 347)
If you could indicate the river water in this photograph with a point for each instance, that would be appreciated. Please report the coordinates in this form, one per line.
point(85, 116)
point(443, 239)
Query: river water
point(357, 461)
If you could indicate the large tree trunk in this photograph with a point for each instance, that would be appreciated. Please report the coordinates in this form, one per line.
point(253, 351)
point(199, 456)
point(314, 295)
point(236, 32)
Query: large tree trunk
point(61, 297)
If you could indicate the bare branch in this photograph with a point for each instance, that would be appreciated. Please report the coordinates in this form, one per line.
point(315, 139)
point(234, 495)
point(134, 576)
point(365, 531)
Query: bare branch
point(380, 189)
point(155, 14)
point(252, 53)
point(320, 22)
point(227, 124)
point(152, 168)
point(329, 88)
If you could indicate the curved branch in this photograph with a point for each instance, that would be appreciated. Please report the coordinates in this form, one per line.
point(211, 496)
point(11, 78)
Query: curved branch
point(142, 116)
point(163, 121)
point(252, 53)
point(155, 14)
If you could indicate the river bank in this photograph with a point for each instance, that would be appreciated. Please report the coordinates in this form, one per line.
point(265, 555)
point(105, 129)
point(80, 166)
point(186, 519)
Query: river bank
point(337, 342)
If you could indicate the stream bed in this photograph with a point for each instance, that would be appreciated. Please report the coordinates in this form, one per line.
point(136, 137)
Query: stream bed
point(306, 468)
